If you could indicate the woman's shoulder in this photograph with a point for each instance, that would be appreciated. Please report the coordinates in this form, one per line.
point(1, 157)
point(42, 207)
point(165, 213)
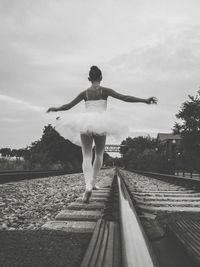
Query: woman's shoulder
point(84, 93)
point(106, 91)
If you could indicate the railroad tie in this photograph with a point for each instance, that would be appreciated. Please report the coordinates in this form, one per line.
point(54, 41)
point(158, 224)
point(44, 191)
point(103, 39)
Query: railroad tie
point(81, 217)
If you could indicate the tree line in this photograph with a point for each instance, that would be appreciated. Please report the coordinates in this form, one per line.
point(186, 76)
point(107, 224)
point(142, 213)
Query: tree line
point(188, 127)
point(143, 153)
point(51, 151)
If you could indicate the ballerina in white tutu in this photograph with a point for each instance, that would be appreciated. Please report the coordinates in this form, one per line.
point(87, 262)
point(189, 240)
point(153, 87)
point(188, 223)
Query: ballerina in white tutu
point(93, 125)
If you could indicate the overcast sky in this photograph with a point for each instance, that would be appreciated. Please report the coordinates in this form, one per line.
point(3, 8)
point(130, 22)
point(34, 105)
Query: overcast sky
point(144, 48)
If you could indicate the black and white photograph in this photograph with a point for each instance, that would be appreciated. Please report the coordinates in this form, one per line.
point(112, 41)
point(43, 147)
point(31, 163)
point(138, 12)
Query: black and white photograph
point(99, 133)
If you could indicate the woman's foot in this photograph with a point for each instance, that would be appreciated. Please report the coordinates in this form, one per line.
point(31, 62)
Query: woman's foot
point(86, 196)
point(96, 187)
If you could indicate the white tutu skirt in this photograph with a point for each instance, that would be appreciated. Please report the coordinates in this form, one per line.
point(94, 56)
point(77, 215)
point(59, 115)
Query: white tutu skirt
point(111, 124)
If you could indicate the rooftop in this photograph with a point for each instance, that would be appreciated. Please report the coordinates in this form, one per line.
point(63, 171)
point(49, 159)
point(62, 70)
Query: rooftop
point(168, 136)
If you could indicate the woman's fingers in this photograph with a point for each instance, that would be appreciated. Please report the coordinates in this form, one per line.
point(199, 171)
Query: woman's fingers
point(152, 100)
point(51, 109)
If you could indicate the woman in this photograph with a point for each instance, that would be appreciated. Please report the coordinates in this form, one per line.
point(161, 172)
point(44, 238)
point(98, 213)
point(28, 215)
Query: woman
point(94, 125)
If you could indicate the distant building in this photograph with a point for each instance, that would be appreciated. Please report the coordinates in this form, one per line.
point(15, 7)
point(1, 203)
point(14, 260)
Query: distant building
point(170, 150)
point(164, 137)
point(169, 143)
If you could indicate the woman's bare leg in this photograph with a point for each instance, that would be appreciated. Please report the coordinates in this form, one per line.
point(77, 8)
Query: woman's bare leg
point(86, 146)
point(100, 141)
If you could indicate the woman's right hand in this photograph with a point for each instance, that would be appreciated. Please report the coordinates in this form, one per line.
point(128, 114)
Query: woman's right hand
point(52, 109)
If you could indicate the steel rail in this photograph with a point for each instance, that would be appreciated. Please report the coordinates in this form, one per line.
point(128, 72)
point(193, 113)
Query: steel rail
point(120, 242)
point(136, 249)
point(26, 171)
point(171, 178)
point(14, 176)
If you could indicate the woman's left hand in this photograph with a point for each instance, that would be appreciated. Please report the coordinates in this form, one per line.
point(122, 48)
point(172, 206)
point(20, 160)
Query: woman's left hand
point(152, 100)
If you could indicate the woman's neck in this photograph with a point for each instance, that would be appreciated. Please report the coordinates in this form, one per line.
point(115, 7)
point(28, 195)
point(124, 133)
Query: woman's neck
point(95, 84)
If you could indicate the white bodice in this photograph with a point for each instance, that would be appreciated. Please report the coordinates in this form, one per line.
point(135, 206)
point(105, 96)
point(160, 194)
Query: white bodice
point(96, 105)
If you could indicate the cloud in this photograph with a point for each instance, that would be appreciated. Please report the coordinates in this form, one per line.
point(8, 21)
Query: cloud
point(143, 47)
point(168, 69)
point(178, 54)
point(21, 122)
point(22, 104)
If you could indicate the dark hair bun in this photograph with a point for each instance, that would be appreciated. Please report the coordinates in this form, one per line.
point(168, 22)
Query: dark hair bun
point(95, 74)
point(94, 68)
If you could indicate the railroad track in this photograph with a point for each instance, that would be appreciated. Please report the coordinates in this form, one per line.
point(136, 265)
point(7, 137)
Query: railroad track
point(135, 219)
point(138, 220)
point(152, 196)
point(13, 175)
point(169, 211)
point(117, 235)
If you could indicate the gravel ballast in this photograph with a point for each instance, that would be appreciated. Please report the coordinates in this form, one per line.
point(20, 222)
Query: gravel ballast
point(31, 248)
point(25, 206)
point(28, 204)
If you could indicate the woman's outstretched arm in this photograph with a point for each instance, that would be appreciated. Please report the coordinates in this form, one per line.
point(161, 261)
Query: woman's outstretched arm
point(128, 98)
point(74, 102)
